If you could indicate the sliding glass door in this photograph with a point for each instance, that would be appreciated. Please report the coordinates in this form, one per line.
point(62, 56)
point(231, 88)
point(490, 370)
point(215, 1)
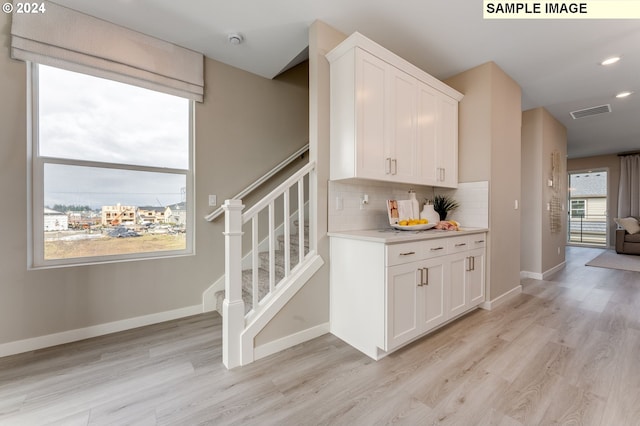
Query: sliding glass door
point(587, 208)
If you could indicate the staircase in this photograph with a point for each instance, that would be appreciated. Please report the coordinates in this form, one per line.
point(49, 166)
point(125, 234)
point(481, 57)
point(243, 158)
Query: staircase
point(263, 268)
point(281, 260)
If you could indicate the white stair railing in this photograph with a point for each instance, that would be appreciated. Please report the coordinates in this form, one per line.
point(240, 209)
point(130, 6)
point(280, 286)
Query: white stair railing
point(234, 318)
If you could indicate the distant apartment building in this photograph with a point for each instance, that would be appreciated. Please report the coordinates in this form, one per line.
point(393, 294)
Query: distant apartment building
point(118, 215)
point(153, 214)
point(123, 215)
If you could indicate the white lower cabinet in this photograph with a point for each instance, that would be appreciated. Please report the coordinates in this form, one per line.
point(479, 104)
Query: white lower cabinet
point(415, 300)
point(384, 296)
point(403, 305)
point(466, 287)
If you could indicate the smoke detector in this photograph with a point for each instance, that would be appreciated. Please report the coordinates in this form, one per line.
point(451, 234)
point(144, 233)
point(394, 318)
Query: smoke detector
point(235, 39)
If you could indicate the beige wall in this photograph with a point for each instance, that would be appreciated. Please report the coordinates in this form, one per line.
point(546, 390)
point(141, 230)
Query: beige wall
point(474, 124)
point(531, 229)
point(542, 250)
point(245, 126)
point(611, 163)
point(554, 139)
point(490, 119)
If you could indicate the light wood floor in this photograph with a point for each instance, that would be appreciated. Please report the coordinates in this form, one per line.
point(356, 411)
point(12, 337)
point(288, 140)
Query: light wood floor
point(566, 351)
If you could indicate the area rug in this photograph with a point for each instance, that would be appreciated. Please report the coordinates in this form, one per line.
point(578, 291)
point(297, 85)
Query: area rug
point(612, 260)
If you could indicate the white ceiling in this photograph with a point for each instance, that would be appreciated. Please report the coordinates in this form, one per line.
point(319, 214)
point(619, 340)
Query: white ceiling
point(556, 62)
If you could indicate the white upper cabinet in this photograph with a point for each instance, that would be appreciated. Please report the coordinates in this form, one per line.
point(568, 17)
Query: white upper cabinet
point(370, 100)
point(390, 120)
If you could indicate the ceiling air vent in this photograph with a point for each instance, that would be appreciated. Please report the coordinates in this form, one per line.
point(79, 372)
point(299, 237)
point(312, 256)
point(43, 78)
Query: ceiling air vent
point(587, 112)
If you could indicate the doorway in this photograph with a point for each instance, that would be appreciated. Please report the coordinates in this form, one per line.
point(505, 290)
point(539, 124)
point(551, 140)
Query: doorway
point(587, 201)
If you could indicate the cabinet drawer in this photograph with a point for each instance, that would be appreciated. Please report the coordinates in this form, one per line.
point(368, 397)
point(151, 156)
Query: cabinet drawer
point(433, 248)
point(458, 244)
point(397, 254)
point(477, 241)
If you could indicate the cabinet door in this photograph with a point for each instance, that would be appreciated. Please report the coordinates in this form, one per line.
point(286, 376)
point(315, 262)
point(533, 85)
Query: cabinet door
point(434, 276)
point(401, 124)
point(447, 142)
point(475, 277)
point(457, 284)
point(402, 304)
point(371, 150)
point(426, 151)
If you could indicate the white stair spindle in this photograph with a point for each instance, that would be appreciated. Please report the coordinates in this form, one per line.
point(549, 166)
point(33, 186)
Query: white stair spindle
point(255, 263)
point(300, 220)
point(287, 234)
point(272, 255)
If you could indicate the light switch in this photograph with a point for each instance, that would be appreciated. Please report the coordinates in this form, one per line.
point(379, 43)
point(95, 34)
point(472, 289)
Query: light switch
point(213, 200)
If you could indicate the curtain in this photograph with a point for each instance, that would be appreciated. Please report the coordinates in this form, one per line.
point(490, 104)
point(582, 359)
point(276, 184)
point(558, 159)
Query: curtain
point(629, 192)
point(68, 39)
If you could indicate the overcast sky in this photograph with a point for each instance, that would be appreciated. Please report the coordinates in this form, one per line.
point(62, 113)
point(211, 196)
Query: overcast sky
point(82, 117)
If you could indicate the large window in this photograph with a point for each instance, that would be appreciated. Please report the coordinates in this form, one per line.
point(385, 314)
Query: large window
point(111, 170)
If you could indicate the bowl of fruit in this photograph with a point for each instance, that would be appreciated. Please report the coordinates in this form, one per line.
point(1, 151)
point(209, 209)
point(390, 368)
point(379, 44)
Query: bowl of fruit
point(413, 225)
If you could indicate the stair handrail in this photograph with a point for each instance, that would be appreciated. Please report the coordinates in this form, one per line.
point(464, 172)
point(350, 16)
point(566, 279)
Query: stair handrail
point(249, 189)
point(277, 191)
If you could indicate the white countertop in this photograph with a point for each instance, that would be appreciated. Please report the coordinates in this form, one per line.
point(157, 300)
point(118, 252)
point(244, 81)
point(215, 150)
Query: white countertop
point(392, 236)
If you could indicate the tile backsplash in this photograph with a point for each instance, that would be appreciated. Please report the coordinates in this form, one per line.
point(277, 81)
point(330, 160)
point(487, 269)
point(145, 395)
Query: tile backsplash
point(473, 198)
point(347, 212)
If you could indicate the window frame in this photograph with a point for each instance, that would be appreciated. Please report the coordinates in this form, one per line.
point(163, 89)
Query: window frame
point(35, 184)
point(575, 209)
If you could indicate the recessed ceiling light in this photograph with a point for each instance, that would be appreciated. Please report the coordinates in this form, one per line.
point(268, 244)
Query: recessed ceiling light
point(610, 61)
point(623, 94)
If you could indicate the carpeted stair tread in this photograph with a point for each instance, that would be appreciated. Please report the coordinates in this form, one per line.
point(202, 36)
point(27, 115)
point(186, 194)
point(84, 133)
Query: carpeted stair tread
point(263, 270)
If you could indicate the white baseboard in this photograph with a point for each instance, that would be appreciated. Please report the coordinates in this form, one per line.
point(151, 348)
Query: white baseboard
point(529, 274)
point(544, 275)
point(548, 273)
point(289, 341)
point(491, 304)
point(49, 340)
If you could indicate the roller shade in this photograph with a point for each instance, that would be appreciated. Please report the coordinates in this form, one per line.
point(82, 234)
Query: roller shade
point(68, 39)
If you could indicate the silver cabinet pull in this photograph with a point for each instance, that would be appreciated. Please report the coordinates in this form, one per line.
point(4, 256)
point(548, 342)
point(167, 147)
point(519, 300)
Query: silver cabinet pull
point(409, 253)
point(479, 241)
point(388, 166)
point(395, 166)
point(461, 244)
point(424, 277)
point(437, 248)
point(471, 263)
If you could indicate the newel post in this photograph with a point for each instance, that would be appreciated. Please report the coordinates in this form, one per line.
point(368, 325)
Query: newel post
point(233, 305)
